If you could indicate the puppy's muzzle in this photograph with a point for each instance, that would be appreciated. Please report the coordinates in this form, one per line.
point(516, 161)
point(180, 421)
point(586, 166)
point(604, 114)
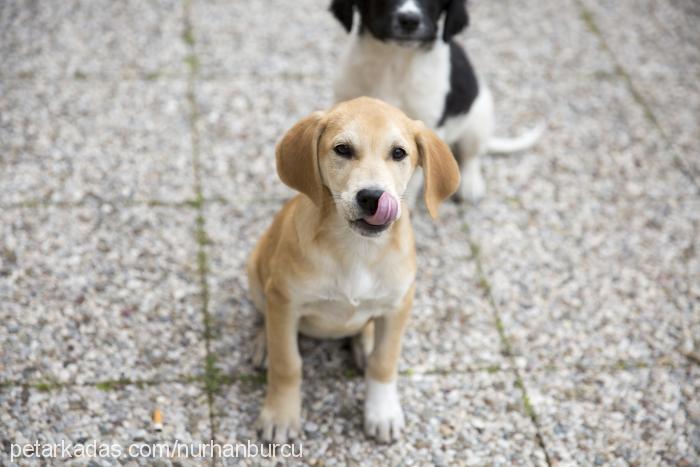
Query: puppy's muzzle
point(379, 210)
point(406, 23)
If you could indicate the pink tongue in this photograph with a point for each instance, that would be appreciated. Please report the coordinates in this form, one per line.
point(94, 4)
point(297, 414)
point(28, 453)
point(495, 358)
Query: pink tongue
point(387, 209)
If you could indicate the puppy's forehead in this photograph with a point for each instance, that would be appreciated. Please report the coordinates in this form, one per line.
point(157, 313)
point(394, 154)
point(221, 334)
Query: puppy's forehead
point(365, 116)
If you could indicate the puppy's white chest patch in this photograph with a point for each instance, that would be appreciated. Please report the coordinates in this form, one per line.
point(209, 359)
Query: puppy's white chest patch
point(343, 299)
point(358, 286)
point(414, 80)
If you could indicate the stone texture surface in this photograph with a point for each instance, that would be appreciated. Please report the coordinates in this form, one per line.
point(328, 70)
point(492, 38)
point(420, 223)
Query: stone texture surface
point(639, 416)
point(123, 244)
point(657, 47)
point(78, 39)
point(64, 141)
point(111, 419)
point(99, 293)
point(601, 224)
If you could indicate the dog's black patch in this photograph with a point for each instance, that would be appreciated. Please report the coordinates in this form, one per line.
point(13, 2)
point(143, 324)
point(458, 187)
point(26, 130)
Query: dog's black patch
point(463, 85)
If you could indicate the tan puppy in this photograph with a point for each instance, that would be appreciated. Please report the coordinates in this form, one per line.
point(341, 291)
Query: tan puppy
point(339, 259)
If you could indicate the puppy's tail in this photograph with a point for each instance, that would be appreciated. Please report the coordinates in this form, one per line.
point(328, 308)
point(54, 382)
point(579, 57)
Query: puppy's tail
point(519, 143)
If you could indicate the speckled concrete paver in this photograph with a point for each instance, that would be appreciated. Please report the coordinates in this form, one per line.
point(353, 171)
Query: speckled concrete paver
point(555, 323)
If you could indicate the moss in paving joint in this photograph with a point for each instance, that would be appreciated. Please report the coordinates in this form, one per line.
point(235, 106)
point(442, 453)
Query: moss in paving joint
point(152, 76)
point(46, 386)
point(111, 385)
point(255, 379)
point(213, 378)
point(192, 62)
point(188, 36)
point(507, 349)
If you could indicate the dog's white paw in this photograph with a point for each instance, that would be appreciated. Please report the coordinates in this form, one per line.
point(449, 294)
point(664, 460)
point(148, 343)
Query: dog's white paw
point(278, 426)
point(383, 414)
point(472, 188)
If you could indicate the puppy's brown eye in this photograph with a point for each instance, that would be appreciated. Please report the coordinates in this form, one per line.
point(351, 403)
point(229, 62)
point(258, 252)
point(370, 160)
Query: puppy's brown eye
point(398, 154)
point(343, 150)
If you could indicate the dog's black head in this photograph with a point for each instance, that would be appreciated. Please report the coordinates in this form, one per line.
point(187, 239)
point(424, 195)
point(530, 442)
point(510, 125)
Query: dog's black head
point(410, 21)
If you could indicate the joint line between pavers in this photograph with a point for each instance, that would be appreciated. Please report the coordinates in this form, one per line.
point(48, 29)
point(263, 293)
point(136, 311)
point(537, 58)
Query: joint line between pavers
point(679, 160)
point(211, 377)
point(505, 342)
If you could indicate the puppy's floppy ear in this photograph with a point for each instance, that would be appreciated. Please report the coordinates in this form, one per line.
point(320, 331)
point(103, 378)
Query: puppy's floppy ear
point(343, 11)
point(440, 169)
point(456, 18)
point(297, 157)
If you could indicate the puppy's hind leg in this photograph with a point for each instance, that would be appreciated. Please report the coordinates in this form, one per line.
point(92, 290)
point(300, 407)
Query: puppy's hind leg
point(258, 348)
point(472, 143)
point(362, 345)
point(472, 186)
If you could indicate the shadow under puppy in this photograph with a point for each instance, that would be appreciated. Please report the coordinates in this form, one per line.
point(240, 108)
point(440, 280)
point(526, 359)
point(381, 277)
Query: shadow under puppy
point(404, 53)
point(339, 259)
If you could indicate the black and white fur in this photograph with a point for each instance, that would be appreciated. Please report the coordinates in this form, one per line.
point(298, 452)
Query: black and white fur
point(404, 54)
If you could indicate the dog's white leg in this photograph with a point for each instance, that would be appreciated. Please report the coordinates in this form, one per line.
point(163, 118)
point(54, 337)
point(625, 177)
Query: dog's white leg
point(472, 144)
point(472, 187)
point(383, 414)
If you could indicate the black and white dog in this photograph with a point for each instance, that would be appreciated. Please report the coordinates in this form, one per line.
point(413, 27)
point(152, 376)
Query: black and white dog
point(405, 55)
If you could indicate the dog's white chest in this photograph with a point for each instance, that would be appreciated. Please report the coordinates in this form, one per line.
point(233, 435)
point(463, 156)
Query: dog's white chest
point(345, 297)
point(416, 81)
point(356, 286)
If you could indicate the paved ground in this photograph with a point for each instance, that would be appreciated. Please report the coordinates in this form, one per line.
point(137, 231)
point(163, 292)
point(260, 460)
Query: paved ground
point(558, 322)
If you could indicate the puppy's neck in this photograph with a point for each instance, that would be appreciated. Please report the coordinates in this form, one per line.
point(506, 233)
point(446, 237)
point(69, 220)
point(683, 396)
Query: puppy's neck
point(396, 52)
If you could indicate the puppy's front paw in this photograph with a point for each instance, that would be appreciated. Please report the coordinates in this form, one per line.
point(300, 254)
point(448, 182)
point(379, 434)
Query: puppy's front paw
point(279, 424)
point(383, 414)
point(472, 188)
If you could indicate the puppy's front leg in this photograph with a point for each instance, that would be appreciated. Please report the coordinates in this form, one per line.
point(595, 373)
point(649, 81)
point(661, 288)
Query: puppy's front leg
point(383, 414)
point(280, 415)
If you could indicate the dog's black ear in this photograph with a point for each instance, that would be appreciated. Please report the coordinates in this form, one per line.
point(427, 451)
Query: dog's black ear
point(343, 11)
point(456, 18)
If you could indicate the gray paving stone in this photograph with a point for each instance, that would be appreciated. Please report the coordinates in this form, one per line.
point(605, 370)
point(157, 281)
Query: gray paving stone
point(97, 293)
point(656, 43)
point(91, 39)
point(581, 236)
point(266, 39)
point(64, 141)
point(116, 419)
point(469, 419)
point(627, 417)
point(451, 327)
point(241, 122)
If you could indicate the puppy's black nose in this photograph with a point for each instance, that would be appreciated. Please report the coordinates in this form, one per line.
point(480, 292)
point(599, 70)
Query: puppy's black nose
point(408, 21)
point(368, 200)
